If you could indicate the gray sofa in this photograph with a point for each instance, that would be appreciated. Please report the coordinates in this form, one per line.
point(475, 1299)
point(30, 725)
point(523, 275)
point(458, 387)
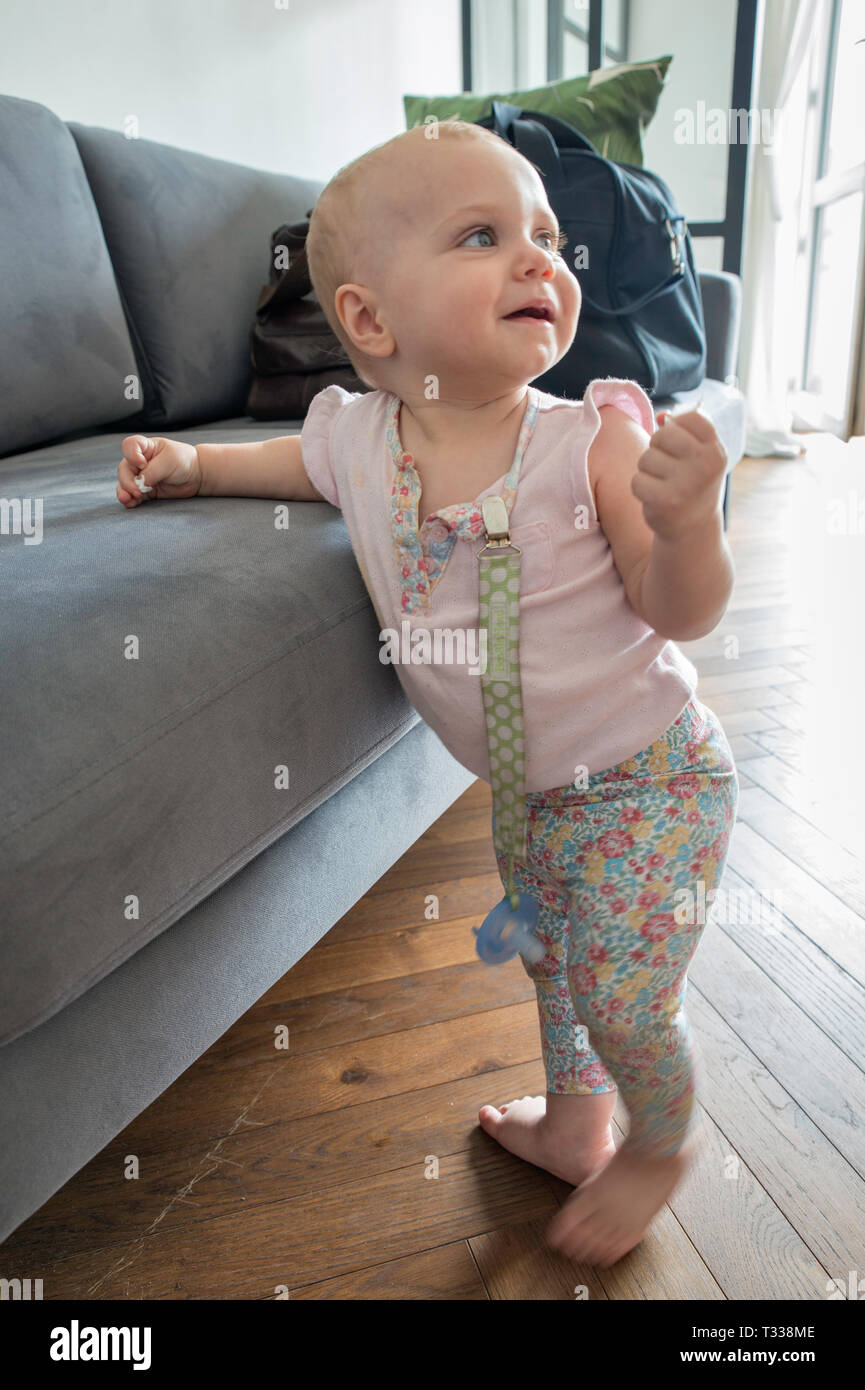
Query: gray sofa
point(204, 762)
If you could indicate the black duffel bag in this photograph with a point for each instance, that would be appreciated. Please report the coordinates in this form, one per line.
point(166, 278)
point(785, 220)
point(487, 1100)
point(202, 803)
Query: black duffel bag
point(293, 350)
point(642, 312)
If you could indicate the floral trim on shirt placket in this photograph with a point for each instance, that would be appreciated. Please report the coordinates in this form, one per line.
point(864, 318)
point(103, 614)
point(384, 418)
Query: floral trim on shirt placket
point(420, 556)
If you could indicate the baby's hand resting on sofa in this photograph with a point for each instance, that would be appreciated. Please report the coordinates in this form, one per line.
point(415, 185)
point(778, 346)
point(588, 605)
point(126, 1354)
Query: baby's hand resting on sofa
point(168, 467)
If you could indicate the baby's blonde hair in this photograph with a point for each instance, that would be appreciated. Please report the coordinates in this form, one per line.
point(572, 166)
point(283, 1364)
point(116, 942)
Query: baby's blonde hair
point(351, 225)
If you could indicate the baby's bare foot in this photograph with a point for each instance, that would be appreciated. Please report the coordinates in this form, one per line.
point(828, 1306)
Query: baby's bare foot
point(608, 1215)
point(523, 1127)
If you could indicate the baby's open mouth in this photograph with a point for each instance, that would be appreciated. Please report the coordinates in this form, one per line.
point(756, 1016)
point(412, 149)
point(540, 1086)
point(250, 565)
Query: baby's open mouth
point(533, 311)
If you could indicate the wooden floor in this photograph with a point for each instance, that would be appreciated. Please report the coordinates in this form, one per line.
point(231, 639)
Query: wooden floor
point(352, 1165)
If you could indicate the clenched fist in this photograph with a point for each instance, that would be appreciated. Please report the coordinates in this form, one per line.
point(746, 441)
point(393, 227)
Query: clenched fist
point(679, 477)
point(167, 467)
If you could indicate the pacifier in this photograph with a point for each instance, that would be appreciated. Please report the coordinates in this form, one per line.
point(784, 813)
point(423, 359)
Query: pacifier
point(509, 931)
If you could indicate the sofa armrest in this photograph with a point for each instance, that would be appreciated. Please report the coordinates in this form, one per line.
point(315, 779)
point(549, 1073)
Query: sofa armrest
point(721, 293)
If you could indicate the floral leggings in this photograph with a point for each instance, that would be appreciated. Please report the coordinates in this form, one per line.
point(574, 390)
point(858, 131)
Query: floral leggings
point(616, 869)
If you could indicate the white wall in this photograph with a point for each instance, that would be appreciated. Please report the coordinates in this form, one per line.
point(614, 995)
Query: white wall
point(303, 86)
point(296, 86)
point(700, 37)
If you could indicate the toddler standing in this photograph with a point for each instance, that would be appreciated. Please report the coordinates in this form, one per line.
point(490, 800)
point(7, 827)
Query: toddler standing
point(436, 260)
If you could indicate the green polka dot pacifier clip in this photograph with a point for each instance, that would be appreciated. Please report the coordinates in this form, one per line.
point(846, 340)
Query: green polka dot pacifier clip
point(509, 928)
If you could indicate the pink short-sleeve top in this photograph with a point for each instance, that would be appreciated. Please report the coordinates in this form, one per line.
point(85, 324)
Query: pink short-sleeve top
point(598, 683)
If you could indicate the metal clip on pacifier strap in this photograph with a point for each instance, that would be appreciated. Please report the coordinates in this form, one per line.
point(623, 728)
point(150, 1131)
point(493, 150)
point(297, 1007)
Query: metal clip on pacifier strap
point(499, 616)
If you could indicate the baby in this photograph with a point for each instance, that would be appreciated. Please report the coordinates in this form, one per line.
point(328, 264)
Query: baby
point(436, 260)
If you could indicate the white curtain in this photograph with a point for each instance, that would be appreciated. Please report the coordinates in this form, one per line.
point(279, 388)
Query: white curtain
point(777, 183)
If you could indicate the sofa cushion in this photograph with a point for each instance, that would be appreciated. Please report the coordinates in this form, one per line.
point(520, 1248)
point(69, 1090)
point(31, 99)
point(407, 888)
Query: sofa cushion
point(66, 358)
point(189, 236)
point(160, 668)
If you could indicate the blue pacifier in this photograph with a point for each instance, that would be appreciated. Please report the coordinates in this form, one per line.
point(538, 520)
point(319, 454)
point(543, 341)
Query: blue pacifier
point(508, 931)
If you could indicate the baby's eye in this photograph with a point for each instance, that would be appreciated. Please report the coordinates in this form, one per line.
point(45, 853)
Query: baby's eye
point(558, 239)
point(481, 231)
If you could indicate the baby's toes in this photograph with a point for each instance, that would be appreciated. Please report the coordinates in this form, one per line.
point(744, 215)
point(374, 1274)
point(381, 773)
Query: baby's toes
point(504, 1108)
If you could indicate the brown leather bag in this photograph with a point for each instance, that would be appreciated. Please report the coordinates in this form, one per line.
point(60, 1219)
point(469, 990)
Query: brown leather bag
point(294, 351)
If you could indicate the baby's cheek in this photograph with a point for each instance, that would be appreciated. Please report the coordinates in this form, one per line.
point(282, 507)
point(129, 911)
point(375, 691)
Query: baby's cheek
point(569, 290)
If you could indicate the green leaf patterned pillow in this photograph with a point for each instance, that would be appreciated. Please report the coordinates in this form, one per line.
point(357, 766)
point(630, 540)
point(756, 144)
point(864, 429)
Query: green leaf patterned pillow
point(610, 106)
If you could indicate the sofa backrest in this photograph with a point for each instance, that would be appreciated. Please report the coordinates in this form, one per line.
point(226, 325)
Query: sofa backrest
point(189, 238)
point(131, 274)
point(65, 349)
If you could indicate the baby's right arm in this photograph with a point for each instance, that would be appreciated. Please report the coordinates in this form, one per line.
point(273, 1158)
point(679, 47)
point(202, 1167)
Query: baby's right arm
point(173, 469)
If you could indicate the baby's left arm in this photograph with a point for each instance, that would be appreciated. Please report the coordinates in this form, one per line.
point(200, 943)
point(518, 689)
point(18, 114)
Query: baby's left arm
point(658, 502)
